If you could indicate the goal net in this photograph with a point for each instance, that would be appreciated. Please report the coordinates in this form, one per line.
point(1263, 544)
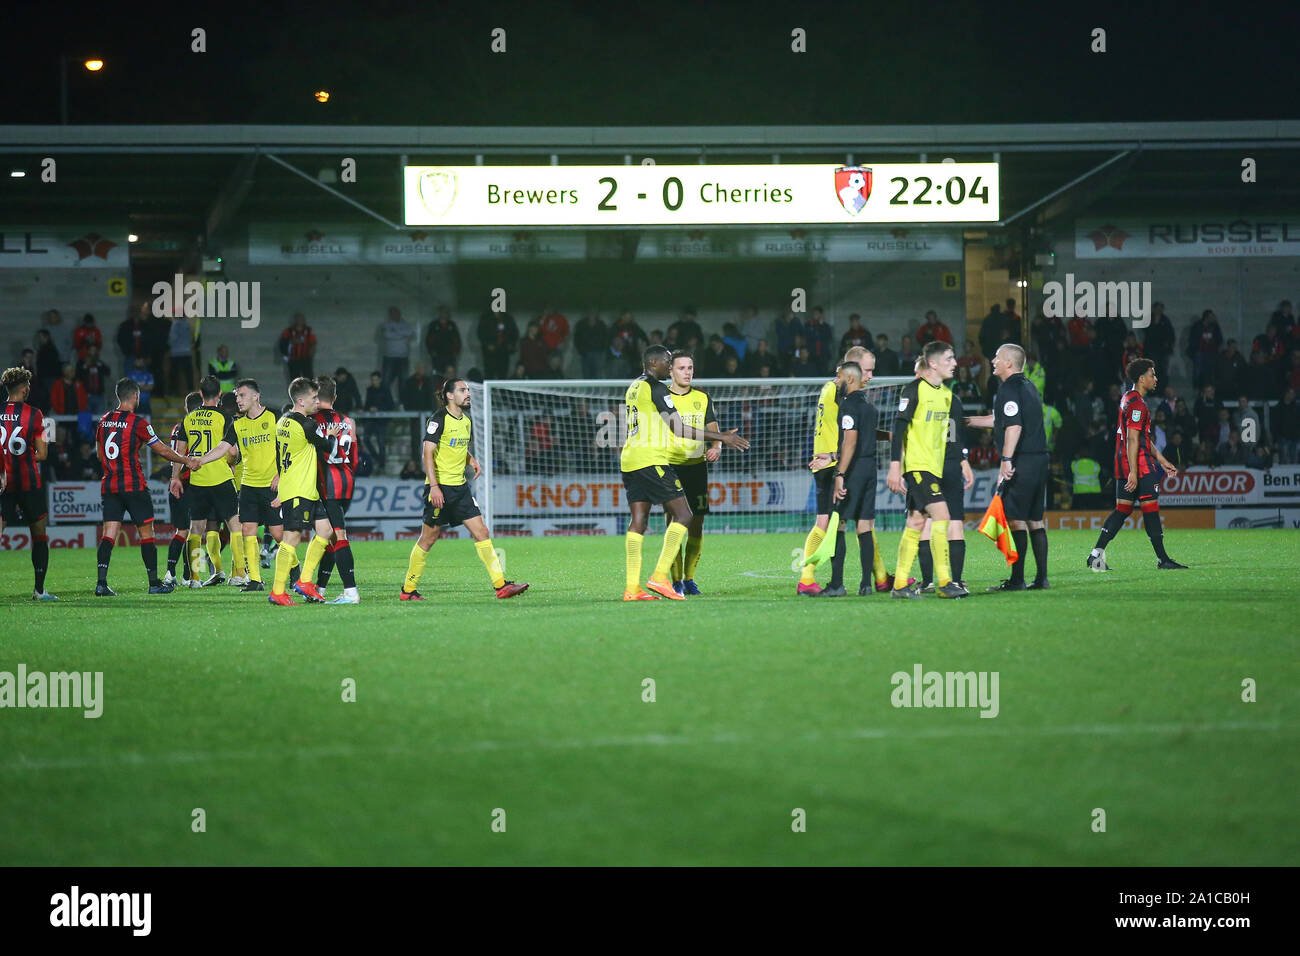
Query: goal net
point(550, 455)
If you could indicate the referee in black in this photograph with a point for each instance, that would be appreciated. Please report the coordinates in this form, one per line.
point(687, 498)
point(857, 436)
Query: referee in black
point(1017, 423)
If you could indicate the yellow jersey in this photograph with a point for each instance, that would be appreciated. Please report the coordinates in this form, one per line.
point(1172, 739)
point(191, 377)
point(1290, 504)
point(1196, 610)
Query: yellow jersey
point(256, 449)
point(921, 429)
point(205, 428)
point(697, 411)
point(647, 436)
point(296, 445)
point(450, 437)
point(826, 433)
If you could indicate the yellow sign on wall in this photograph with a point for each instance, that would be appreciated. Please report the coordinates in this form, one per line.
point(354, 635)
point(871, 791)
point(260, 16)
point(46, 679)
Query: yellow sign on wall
point(117, 287)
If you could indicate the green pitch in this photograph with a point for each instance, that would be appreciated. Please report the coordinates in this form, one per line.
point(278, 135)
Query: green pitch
point(1120, 691)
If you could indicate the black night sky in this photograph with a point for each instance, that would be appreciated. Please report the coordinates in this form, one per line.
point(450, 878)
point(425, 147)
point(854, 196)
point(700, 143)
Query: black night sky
point(673, 63)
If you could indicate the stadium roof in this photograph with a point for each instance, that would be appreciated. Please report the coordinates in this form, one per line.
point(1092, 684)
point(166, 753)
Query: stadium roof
point(176, 183)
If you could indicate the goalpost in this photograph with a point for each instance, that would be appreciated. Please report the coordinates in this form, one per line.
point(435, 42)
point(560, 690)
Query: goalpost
point(549, 451)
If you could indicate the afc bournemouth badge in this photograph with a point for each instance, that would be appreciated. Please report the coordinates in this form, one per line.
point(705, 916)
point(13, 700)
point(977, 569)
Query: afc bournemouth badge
point(853, 187)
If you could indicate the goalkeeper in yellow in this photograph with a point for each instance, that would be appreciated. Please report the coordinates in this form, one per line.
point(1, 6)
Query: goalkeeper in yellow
point(447, 496)
point(648, 475)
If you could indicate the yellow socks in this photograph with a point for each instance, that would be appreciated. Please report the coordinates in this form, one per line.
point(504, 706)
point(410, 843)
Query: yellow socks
point(907, 549)
point(192, 554)
point(810, 545)
point(939, 549)
point(633, 544)
point(285, 558)
point(488, 555)
point(693, 548)
point(678, 570)
point(414, 568)
point(315, 551)
point(237, 568)
point(214, 551)
point(878, 563)
point(672, 544)
point(252, 557)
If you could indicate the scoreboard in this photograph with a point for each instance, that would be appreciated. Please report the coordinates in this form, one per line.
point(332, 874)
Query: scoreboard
point(649, 195)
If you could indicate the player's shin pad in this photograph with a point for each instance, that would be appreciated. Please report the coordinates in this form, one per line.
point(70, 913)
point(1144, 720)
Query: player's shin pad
point(672, 545)
point(488, 555)
point(826, 549)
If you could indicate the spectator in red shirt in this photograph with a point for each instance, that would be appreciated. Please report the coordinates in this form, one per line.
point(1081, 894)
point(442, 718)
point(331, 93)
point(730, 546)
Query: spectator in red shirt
point(932, 330)
point(67, 395)
point(1077, 329)
point(1203, 344)
point(976, 363)
point(554, 328)
point(1132, 350)
point(93, 374)
point(87, 334)
point(984, 456)
point(298, 346)
point(533, 351)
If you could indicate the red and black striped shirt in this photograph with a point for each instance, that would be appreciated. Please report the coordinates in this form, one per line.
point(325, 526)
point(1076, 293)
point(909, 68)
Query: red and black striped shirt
point(20, 425)
point(1133, 416)
point(178, 435)
point(336, 470)
point(118, 440)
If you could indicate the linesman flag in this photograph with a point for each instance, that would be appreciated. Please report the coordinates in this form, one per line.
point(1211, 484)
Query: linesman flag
point(994, 527)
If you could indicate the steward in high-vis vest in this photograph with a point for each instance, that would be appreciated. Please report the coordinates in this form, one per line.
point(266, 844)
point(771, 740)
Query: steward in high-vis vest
point(224, 370)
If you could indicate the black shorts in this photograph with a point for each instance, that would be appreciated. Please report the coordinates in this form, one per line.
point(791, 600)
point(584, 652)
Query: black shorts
point(924, 488)
point(258, 506)
point(179, 508)
point(1025, 496)
point(695, 483)
point(139, 504)
point(954, 493)
point(301, 514)
point(859, 501)
point(25, 507)
point(335, 509)
point(1148, 488)
point(824, 481)
point(213, 502)
point(458, 506)
point(654, 483)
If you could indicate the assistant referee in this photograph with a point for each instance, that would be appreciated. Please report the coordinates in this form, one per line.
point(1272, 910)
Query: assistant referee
point(1017, 423)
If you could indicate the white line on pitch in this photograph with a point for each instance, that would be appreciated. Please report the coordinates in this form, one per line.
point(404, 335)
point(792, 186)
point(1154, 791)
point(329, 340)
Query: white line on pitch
point(637, 740)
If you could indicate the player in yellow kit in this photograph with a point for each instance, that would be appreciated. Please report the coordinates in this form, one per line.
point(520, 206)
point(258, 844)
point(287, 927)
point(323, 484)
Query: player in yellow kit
point(211, 439)
point(448, 499)
point(259, 502)
point(648, 477)
point(690, 458)
point(297, 444)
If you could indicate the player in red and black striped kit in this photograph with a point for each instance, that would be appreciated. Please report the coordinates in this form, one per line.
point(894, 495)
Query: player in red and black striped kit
point(119, 437)
point(336, 481)
point(1136, 477)
point(23, 447)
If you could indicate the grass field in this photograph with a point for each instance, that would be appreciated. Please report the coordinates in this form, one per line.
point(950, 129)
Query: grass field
point(1120, 691)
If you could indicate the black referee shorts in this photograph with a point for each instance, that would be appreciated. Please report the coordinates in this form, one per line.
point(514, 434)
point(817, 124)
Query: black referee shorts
point(25, 507)
point(118, 504)
point(213, 502)
point(258, 506)
point(859, 501)
point(923, 489)
point(179, 508)
point(654, 483)
point(301, 514)
point(824, 481)
point(695, 483)
point(953, 493)
point(1025, 496)
point(336, 509)
point(458, 506)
